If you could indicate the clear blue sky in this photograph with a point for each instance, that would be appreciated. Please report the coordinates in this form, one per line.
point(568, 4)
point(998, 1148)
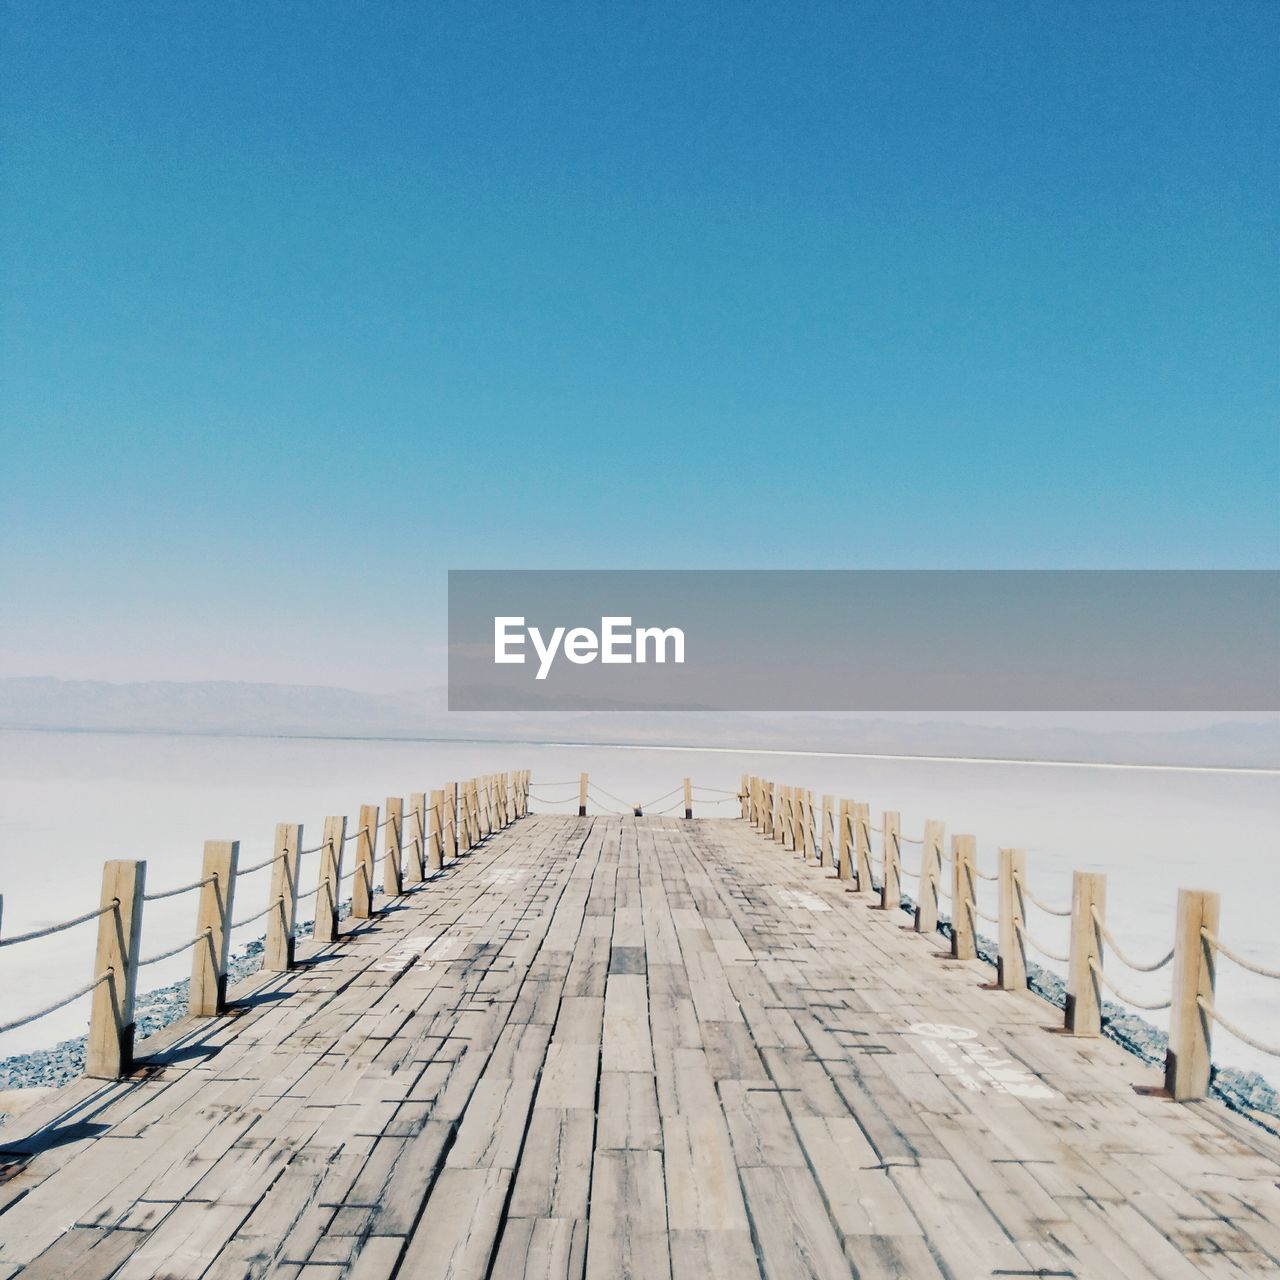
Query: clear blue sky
point(305, 303)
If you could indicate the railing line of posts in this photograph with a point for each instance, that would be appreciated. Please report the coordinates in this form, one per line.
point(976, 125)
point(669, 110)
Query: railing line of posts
point(843, 840)
point(425, 838)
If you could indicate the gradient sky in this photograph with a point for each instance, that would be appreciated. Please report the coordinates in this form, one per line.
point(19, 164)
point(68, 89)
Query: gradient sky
point(305, 303)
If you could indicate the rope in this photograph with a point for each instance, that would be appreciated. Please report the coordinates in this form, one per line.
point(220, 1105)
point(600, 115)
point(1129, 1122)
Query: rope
point(165, 955)
point(548, 800)
point(355, 835)
point(573, 783)
point(1040, 947)
point(982, 875)
point(910, 839)
point(591, 786)
point(310, 893)
point(1044, 906)
point(673, 792)
point(271, 906)
point(315, 848)
point(1218, 945)
point(53, 1008)
point(1124, 996)
point(1226, 1025)
point(671, 808)
point(1109, 937)
point(736, 795)
point(173, 893)
point(257, 866)
point(982, 915)
point(58, 928)
point(906, 871)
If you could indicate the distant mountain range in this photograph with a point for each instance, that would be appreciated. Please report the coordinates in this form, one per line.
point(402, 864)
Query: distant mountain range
point(273, 710)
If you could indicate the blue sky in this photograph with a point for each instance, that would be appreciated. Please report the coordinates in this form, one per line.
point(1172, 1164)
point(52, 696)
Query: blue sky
point(304, 304)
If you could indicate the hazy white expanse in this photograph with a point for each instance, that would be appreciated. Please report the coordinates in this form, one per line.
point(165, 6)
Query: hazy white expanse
point(70, 800)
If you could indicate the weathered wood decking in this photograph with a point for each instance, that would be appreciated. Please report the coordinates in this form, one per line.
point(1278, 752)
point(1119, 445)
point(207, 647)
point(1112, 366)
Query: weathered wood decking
point(617, 1047)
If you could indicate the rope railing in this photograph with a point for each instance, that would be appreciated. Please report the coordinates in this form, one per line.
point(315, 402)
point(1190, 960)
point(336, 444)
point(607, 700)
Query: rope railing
point(259, 866)
point(270, 907)
point(50, 929)
point(1124, 996)
point(1207, 1007)
point(176, 951)
point(1031, 940)
point(629, 805)
point(1120, 954)
point(771, 809)
point(1235, 957)
point(1062, 913)
point(669, 809)
point(60, 1003)
point(181, 889)
point(675, 791)
point(488, 804)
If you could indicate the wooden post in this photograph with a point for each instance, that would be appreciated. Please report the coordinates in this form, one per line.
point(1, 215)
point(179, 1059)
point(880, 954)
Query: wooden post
point(809, 849)
point(862, 846)
point(335, 837)
point(213, 927)
point(277, 953)
point(366, 852)
point(891, 885)
point(745, 798)
point(484, 804)
point(448, 823)
point(507, 815)
point(435, 848)
point(964, 897)
point(109, 1052)
point(466, 832)
point(1084, 988)
point(417, 864)
point(1011, 964)
point(930, 871)
point(789, 818)
point(1189, 1057)
point(846, 842)
point(827, 845)
point(688, 797)
point(582, 795)
point(477, 829)
point(392, 871)
point(769, 802)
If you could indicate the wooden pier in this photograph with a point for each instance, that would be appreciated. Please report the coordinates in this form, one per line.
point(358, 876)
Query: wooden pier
point(632, 1047)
